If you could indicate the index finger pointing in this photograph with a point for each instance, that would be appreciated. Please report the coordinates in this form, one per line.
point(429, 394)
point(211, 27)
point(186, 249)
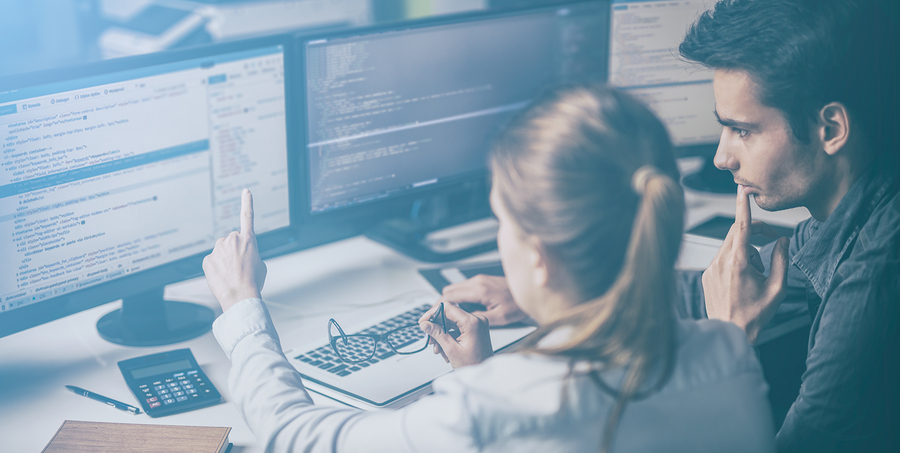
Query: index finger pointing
point(246, 212)
point(742, 221)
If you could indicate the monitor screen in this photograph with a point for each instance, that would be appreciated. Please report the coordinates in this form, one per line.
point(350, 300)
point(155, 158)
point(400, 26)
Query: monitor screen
point(391, 111)
point(644, 39)
point(105, 176)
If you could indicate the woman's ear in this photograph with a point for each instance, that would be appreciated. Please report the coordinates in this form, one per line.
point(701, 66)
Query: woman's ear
point(833, 127)
point(539, 264)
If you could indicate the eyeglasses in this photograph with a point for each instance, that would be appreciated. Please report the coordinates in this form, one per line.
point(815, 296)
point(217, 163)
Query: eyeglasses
point(360, 347)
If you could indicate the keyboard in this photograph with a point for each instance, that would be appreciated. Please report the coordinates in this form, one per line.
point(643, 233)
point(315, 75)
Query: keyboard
point(324, 357)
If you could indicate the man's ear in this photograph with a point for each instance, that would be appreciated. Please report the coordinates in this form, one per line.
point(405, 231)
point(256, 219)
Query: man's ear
point(833, 127)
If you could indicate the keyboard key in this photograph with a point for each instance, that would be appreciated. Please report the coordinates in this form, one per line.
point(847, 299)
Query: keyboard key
point(338, 368)
point(326, 366)
point(343, 373)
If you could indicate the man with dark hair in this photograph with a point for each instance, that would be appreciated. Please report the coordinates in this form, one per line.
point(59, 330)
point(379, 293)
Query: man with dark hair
point(806, 94)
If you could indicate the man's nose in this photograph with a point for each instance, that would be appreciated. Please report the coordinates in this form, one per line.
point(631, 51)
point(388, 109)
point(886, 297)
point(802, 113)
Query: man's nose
point(725, 158)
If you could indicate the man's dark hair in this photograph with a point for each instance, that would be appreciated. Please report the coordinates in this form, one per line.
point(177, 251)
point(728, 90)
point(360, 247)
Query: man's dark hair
point(804, 54)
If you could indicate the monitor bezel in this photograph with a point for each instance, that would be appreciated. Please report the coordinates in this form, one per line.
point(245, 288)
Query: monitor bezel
point(271, 243)
point(356, 218)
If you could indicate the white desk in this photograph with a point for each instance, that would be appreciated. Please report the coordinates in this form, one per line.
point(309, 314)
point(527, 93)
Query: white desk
point(303, 290)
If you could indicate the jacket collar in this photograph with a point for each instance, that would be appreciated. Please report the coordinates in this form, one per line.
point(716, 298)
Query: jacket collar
point(830, 240)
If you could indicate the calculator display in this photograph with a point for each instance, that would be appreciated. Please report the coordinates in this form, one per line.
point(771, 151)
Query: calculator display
point(170, 367)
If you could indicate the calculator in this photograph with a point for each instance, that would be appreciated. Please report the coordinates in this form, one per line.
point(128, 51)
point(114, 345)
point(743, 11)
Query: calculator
point(169, 383)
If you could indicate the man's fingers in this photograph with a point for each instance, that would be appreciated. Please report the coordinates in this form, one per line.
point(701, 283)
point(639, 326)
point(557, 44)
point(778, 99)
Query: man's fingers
point(756, 260)
point(742, 222)
point(246, 212)
point(779, 270)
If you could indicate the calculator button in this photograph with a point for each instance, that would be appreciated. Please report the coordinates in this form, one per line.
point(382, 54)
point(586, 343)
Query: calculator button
point(155, 404)
point(182, 398)
point(171, 384)
point(190, 391)
point(159, 387)
point(187, 386)
point(150, 400)
point(174, 389)
point(162, 391)
point(143, 386)
point(169, 401)
point(178, 394)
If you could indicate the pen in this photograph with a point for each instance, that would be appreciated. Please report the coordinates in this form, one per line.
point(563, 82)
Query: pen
point(116, 404)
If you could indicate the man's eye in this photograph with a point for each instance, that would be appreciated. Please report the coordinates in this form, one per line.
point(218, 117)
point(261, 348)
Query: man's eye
point(741, 132)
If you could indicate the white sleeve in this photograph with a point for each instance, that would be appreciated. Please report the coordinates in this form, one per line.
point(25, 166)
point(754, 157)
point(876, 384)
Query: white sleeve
point(269, 393)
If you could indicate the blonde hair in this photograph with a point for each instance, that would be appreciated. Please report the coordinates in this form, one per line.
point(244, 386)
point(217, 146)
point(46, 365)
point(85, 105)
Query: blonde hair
point(589, 171)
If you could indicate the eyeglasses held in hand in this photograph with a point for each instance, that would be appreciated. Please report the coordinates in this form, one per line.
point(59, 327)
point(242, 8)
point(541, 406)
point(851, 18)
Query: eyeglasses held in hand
point(360, 347)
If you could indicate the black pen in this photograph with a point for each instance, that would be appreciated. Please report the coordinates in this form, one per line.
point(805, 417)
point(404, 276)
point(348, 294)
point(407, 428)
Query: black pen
point(116, 404)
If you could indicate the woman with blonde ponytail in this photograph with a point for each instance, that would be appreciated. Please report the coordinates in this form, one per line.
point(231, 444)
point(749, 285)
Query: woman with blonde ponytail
point(591, 221)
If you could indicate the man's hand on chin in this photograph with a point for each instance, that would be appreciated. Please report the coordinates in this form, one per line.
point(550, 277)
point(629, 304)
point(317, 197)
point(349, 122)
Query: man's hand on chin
point(734, 284)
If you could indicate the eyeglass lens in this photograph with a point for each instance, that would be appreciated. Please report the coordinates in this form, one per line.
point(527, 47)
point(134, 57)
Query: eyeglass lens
point(408, 340)
point(354, 348)
point(357, 348)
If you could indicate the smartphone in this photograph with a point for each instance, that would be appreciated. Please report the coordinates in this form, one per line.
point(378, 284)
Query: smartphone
point(718, 226)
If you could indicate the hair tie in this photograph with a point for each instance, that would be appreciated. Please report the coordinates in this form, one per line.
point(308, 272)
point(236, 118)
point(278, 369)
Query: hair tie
point(641, 176)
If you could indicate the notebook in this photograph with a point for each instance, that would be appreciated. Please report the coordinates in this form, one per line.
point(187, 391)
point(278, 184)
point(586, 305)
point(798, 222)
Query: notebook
point(99, 437)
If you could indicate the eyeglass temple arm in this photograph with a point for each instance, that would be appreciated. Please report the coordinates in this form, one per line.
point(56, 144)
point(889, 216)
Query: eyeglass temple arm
point(341, 331)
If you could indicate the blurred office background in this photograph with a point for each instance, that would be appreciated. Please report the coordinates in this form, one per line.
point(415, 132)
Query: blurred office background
point(46, 34)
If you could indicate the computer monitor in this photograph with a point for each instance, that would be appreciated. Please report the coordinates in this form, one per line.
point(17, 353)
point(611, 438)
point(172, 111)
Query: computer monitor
point(643, 60)
point(397, 114)
point(118, 177)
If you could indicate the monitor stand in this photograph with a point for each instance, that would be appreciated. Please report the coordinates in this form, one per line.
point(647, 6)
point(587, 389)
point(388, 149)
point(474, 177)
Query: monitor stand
point(145, 319)
point(710, 179)
point(437, 246)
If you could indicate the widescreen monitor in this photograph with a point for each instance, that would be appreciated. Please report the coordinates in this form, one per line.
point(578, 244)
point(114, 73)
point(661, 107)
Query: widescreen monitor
point(117, 178)
point(399, 118)
point(644, 61)
point(411, 107)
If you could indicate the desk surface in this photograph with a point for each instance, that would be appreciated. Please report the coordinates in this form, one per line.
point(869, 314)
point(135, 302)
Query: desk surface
point(354, 279)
